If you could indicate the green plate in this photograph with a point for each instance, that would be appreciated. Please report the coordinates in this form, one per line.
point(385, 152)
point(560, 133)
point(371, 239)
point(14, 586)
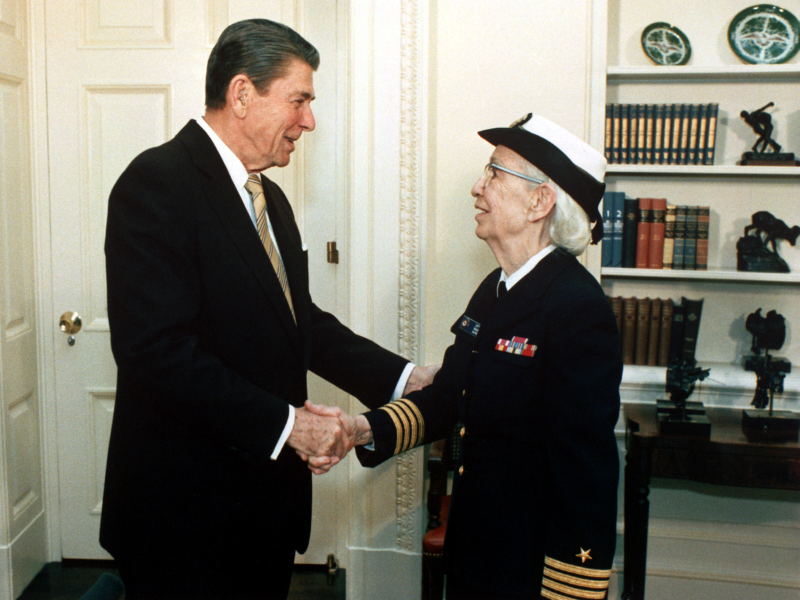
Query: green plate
point(666, 45)
point(764, 34)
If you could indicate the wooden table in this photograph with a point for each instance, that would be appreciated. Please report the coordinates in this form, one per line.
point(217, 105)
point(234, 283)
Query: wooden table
point(727, 458)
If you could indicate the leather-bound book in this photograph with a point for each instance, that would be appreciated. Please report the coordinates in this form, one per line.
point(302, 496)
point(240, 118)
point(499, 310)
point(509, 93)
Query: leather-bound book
point(643, 235)
point(642, 330)
point(665, 333)
point(655, 253)
point(655, 328)
point(628, 330)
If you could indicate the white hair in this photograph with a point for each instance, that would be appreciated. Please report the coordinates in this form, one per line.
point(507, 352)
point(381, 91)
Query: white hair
point(570, 228)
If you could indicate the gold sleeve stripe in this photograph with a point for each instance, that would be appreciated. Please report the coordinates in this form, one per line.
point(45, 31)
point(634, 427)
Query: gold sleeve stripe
point(573, 591)
point(553, 596)
point(403, 431)
point(562, 566)
point(598, 584)
point(397, 426)
point(413, 425)
point(415, 411)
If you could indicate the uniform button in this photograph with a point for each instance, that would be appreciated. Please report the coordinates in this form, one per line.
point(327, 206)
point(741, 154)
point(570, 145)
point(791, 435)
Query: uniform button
point(461, 470)
point(463, 432)
point(464, 393)
point(474, 351)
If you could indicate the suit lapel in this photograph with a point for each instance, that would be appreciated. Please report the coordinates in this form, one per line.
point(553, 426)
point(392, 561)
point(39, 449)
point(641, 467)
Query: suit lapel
point(295, 260)
point(224, 199)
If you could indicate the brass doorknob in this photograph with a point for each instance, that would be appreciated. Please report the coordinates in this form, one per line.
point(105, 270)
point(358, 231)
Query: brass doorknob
point(70, 323)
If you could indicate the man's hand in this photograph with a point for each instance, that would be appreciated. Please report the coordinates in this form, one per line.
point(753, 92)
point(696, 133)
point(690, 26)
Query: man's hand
point(322, 437)
point(357, 429)
point(420, 377)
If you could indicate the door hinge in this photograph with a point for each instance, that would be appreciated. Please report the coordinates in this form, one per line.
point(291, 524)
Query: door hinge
point(333, 253)
point(333, 568)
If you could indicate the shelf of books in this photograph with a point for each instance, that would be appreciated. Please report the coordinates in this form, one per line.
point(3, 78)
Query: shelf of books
point(707, 275)
point(723, 170)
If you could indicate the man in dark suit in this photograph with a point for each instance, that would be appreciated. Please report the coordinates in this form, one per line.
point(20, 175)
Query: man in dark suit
point(533, 376)
point(213, 331)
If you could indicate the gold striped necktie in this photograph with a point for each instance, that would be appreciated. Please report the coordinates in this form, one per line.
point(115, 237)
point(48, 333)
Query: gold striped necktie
point(253, 186)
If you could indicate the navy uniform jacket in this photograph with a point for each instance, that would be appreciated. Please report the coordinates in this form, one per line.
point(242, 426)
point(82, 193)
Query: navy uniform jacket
point(208, 359)
point(534, 377)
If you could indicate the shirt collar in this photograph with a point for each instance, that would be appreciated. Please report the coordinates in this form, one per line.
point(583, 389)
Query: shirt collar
point(512, 279)
point(232, 163)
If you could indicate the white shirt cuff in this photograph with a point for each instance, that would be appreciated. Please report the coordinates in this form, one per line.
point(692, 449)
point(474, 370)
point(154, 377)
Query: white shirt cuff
point(286, 431)
point(401, 383)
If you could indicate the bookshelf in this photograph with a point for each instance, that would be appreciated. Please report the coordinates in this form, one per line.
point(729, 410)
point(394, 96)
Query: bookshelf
point(622, 73)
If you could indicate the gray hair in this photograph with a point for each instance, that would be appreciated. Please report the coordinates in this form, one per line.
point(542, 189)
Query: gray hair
point(258, 48)
point(570, 228)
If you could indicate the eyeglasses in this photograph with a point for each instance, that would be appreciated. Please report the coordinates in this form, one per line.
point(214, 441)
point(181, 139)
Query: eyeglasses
point(489, 174)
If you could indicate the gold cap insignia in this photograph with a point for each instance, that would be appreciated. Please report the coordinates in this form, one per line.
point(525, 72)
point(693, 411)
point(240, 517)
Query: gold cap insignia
point(521, 122)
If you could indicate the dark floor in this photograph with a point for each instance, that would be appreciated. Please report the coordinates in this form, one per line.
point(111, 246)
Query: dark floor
point(71, 579)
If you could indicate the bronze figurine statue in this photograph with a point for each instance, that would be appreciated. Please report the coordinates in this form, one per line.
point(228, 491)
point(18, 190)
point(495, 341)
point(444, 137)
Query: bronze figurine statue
point(752, 251)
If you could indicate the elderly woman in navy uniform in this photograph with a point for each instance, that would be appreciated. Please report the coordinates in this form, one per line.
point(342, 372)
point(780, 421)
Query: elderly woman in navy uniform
point(533, 374)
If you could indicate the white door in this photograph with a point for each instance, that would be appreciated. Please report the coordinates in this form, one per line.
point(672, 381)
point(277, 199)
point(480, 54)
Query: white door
point(123, 76)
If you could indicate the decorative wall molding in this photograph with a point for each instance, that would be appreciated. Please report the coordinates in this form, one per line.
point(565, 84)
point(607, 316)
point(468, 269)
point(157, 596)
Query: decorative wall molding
point(411, 186)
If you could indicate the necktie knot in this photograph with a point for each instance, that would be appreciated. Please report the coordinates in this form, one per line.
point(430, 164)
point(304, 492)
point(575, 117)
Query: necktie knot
point(253, 185)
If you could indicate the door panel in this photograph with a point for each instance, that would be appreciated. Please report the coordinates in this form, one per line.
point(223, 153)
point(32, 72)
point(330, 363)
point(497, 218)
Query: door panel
point(122, 77)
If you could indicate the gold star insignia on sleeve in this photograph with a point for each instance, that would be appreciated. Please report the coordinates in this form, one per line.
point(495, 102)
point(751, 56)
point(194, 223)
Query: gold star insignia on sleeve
point(584, 555)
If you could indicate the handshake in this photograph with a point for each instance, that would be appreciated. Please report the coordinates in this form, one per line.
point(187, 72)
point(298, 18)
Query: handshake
point(323, 435)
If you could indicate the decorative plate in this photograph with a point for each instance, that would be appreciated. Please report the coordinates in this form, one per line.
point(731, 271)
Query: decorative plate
point(666, 45)
point(764, 34)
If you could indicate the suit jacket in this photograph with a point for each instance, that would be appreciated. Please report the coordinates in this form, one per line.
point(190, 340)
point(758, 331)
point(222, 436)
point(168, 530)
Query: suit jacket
point(209, 358)
point(534, 379)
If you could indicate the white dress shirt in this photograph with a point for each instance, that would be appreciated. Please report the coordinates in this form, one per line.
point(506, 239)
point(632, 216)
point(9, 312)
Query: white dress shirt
point(524, 269)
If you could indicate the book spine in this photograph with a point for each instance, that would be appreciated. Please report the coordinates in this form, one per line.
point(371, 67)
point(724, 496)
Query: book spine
point(684, 143)
point(655, 252)
point(711, 136)
point(703, 221)
point(702, 135)
point(648, 140)
point(665, 333)
point(628, 330)
point(616, 308)
point(609, 137)
point(633, 135)
point(658, 134)
point(642, 330)
point(676, 338)
point(643, 236)
point(669, 236)
point(694, 118)
point(624, 122)
point(652, 336)
point(692, 311)
point(680, 235)
point(667, 144)
point(617, 224)
point(615, 128)
point(630, 233)
point(677, 121)
point(608, 224)
point(642, 121)
point(690, 243)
